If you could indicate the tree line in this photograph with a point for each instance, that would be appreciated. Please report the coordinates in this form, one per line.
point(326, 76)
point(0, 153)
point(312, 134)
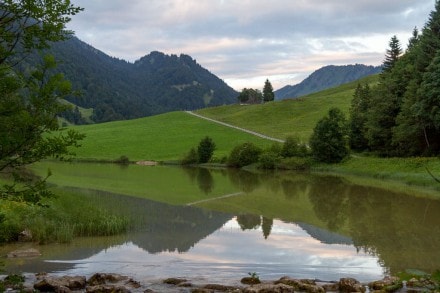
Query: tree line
point(401, 115)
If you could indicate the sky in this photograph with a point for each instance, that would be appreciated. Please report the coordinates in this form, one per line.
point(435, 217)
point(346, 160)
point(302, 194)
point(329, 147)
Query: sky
point(245, 42)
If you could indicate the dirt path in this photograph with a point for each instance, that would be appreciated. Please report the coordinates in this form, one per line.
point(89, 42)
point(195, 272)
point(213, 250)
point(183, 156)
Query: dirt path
point(235, 127)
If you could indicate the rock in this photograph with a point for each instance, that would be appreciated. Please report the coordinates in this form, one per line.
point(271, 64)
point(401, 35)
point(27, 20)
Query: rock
point(301, 285)
point(331, 287)
point(107, 289)
point(250, 280)
point(389, 284)
point(350, 285)
point(101, 279)
point(61, 284)
point(221, 288)
point(269, 288)
point(23, 253)
point(174, 281)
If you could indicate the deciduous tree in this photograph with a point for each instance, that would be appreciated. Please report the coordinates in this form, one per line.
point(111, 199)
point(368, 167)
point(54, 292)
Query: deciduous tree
point(329, 141)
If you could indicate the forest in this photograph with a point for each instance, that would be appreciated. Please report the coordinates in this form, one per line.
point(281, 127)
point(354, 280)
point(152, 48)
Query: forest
point(401, 115)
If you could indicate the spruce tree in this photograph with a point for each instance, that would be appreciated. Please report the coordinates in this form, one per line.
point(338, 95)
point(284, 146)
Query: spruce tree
point(392, 54)
point(268, 94)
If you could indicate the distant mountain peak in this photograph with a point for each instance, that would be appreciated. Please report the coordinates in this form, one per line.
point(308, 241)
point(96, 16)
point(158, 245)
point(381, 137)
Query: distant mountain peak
point(154, 84)
point(326, 77)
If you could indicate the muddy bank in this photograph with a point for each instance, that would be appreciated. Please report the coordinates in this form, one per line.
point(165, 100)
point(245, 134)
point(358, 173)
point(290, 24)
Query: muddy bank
point(117, 283)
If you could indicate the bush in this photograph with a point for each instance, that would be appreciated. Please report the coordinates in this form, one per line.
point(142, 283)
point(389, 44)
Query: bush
point(190, 158)
point(123, 160)
point(329, 141)
point(292, 147)
point(268, 160)
point(243, 155)
point(205, 150)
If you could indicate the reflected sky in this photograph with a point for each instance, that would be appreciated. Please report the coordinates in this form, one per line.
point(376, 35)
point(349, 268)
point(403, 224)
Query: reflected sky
point(230, 253)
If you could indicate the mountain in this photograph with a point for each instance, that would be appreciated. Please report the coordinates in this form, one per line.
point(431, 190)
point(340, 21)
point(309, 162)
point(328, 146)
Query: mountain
point(156, 83)
point(326, 77)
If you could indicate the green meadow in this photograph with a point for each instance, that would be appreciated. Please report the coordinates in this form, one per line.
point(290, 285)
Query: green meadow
point(161, 138)
point(295, 117)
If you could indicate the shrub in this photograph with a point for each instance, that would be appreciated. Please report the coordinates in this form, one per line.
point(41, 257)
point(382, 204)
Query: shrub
point(123, 160)
point(205, 150)
point(329, 141)
point(244, 154)
point(190, 158)
point(292, 147)
point(268, 160)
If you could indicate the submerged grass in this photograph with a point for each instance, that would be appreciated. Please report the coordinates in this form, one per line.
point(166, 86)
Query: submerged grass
point(69, 215)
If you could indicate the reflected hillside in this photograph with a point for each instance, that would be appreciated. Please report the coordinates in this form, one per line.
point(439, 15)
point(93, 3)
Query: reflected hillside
point(159, 227)
point(402, 230)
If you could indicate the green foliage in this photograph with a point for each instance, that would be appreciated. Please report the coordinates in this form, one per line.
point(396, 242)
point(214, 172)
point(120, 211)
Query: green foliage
point(28, 112)
point(329, 142)
point(190, 158)
point(295, 163)
point(292, 147)
point(154, 84)
point(29, 25)
point(403, 117)
point(14, 282)
point(268, 94)
point(393, 54)
point(205, 150)
point(268, 160)
point(31, 97)
point(123, 160)
point(359, 116)
point(244, 155)
point(250, 96)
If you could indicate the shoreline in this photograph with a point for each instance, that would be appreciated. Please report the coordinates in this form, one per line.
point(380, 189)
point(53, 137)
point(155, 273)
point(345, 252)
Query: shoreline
point(105, 282)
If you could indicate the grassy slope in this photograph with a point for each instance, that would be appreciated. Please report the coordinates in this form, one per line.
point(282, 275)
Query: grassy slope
point(288, 117)
point(163, 137)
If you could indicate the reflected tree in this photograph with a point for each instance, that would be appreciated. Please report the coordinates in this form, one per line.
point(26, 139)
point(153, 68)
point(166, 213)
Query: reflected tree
point(266, 224)
point(249, 222)
point(329, 198)
point(205, 180)
point(244, 180)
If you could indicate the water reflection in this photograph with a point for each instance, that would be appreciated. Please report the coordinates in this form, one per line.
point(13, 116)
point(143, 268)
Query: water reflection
point(272, 223)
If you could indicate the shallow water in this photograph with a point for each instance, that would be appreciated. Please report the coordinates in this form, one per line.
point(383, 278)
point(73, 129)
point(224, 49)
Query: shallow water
point(235, 223)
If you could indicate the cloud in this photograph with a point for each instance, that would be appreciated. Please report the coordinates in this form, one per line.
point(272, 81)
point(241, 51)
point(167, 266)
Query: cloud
point(250, 40)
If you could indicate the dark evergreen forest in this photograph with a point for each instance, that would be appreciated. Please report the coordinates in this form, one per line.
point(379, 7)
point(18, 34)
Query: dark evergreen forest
point(118, 90)
point(401, 115)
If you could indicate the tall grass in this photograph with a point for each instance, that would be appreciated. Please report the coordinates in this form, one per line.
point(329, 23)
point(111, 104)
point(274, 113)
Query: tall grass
point(69, 215)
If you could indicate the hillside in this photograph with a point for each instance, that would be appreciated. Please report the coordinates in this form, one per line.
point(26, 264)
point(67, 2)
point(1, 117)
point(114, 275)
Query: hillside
point(171, 135)
point(154, 84)
point(296, 117)
point(326, 77)
point(161, 137)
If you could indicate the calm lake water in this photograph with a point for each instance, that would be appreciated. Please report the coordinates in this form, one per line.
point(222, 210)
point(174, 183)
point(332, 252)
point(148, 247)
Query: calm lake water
point(220, 225)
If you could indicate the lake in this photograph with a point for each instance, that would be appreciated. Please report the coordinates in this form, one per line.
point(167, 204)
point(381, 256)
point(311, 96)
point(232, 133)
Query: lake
point(219, 225)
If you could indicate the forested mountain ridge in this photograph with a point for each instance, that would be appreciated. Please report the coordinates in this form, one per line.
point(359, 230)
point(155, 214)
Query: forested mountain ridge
point(156, 83)
point(326, 77)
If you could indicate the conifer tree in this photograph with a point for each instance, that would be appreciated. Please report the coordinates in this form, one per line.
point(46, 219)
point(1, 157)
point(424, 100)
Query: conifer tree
point(392, 54)
point(268, 94)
